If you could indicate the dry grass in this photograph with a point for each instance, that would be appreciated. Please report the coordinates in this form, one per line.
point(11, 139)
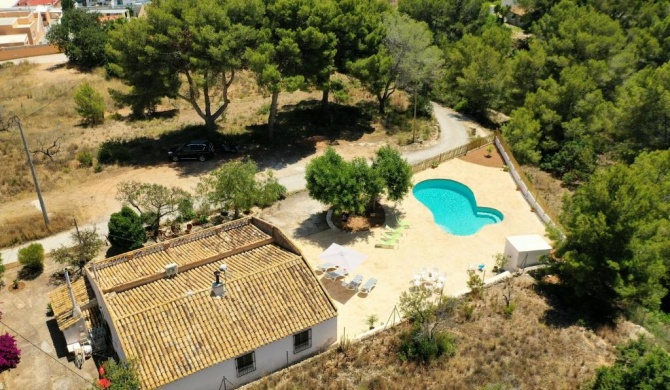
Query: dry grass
point(549, 187)
point(16, 231)
point(526, 351)
point(42, 97)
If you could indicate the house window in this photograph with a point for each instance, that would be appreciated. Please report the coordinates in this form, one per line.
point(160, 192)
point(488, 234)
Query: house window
point(302, 341)
point(245, 364)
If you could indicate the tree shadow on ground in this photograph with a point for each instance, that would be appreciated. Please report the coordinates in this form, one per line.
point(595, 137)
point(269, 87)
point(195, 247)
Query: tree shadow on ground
point(339, 237)
point(114, 251)
point(315, 223)
point(57, 338)
point(336, 290)
point(566, 311)
point(300, 127)
point(26, 273)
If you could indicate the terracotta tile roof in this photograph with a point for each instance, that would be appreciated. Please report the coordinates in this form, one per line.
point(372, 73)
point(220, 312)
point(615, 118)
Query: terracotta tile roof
point(119, 272)
point(174, 328)
point(62, 305)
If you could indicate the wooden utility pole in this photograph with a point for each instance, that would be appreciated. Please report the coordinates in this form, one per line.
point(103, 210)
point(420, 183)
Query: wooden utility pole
point(32, 170)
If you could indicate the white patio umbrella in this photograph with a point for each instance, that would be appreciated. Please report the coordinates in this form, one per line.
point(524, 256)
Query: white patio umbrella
point(343, 257)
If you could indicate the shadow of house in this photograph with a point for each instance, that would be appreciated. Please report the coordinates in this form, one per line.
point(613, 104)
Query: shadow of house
point(57, 338)
point(300, 127)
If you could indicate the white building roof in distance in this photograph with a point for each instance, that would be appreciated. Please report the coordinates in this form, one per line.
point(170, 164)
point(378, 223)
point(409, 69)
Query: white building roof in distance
point(6, 21)
point(8, 3)
point(13, 38)
point(529, 243)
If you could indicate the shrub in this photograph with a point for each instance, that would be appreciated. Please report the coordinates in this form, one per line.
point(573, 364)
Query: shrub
point(90, 104)
point(476, 284)
point(98, 168)
point(113, 151)
point(500, 259)
point(85, 246)
point(269, 191)
point(2, 267)
point(85, 158)
point(122, 375)
point(419, 345)
point(508, 310)
point(32, 256)
point(185, 209)
point(126, 230)
point(10, 354)
point(639, 365)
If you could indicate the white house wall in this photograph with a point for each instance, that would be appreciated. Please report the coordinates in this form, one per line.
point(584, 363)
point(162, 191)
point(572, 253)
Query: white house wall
point(102, 304)
point(269, 358)
point(72, 334)
point(512, 255)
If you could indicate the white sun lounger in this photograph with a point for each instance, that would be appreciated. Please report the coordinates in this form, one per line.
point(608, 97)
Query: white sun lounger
point(354, 283)
point(390, 243)
point(368, 286)
point(336, 274)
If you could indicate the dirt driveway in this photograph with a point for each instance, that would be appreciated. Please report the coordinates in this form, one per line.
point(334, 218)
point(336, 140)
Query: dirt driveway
point(44, 360)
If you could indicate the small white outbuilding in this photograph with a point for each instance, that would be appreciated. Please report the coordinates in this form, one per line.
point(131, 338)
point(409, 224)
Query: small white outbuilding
point(525, 251)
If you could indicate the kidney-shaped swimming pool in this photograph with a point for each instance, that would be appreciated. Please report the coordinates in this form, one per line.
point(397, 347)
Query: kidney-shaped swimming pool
point(454, 206)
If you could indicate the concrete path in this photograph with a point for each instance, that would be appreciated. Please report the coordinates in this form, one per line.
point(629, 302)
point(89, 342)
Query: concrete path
point(452, 134)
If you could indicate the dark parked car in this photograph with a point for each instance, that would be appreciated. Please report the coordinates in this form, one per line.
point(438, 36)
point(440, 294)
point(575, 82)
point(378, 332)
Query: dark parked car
point(198, 149)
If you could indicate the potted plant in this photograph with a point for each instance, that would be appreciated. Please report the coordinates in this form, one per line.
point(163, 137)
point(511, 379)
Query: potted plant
point(372, 318)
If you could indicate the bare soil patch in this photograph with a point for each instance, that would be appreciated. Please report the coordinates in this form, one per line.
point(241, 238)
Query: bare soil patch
point(482, 156)
point(360, 223)
point(16, 288)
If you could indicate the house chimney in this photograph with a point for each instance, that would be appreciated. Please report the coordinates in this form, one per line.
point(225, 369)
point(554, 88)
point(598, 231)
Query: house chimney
point(76, 310)
point(218, 288)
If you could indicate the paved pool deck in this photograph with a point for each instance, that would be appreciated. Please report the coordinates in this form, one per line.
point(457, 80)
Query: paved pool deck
point(424, 245)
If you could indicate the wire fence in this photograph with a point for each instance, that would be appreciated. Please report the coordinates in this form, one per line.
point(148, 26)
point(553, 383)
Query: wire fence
point(532, 196)
point(451, 154)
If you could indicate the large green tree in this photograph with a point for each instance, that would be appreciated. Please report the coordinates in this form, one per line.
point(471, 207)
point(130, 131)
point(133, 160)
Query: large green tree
point(448, 19)
point(639, 365)
point(81, 36)
point(140, 68)
point(617, 235)
point(202, 41)
point(476, 71)
point(407, 58)
point(298, 49)
point(355, 186)
point(644, 111)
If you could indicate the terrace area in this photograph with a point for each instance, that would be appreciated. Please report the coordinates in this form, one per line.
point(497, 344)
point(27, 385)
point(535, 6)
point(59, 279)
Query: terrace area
point(424, 245)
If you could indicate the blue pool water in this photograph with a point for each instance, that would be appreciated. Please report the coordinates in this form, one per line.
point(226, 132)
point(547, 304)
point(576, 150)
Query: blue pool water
point(454, 206)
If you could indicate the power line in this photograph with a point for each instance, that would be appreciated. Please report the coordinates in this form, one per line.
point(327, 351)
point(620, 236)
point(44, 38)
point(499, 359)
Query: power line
point(88, 381)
